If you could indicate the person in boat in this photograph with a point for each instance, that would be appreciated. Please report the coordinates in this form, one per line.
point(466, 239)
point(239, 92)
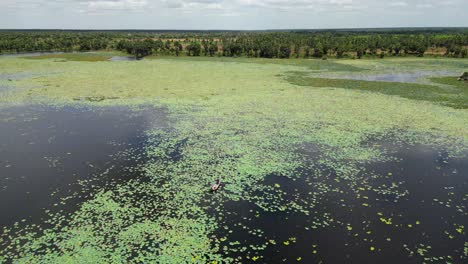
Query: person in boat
point(215, 186)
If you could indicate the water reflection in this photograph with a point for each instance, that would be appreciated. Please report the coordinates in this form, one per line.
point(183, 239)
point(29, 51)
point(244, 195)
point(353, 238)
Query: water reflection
point(405, 77)
point(45, 150)
point(399, 211)
point(124, 58)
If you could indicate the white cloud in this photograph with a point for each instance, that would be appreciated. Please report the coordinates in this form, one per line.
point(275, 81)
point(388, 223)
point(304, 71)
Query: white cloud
point(399, 4)
point(425, 5)
point(233, 14)
point(291, 4)
point(117, 4)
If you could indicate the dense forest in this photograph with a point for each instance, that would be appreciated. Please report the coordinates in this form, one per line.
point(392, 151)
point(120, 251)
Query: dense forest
point(265, 44)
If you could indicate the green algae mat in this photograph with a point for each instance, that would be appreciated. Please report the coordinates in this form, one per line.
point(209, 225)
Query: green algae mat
point(314, 167)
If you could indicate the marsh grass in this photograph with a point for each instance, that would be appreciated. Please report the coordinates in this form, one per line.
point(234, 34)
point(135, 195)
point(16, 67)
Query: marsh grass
point(453, 93)
point(404, 64)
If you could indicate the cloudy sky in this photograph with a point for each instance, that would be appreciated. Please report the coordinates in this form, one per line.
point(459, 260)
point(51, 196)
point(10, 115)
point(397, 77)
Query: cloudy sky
point(230, 14)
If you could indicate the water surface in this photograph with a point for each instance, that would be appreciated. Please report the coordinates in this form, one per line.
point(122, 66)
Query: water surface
point(405, 77)
point(30, 54)
point(406, 210)
point(124, 58)
point(46, 152)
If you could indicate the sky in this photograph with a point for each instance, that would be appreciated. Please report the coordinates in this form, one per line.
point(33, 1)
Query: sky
point(231, 14)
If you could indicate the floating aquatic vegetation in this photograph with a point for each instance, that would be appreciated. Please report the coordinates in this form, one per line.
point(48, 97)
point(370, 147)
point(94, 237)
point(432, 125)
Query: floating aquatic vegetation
point(300, 157)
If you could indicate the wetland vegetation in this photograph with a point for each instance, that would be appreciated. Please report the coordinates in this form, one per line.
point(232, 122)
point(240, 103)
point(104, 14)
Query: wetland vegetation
point(351, 43)
point(315, 167)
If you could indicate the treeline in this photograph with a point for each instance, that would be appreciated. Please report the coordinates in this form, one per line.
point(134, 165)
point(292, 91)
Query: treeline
point(300, 44)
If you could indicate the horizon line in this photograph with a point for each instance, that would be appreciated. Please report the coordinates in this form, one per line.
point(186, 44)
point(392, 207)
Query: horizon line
point(272, 29)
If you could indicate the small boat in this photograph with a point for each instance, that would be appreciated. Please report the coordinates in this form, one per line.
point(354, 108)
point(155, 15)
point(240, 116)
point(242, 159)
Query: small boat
point(215, 186)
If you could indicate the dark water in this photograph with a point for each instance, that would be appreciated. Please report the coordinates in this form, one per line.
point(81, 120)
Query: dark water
point(405, 77)
point(124, 58)
point(45, 152)
point(30, 54)
point(427, 204)
point(35, 54)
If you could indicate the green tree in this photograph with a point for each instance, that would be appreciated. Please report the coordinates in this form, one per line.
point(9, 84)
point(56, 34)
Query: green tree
point(213, 48)
point(194, 49)
point(178, 48)
point(284, 52)
point(307, 52)
point(318, 50)
point(464, 53)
